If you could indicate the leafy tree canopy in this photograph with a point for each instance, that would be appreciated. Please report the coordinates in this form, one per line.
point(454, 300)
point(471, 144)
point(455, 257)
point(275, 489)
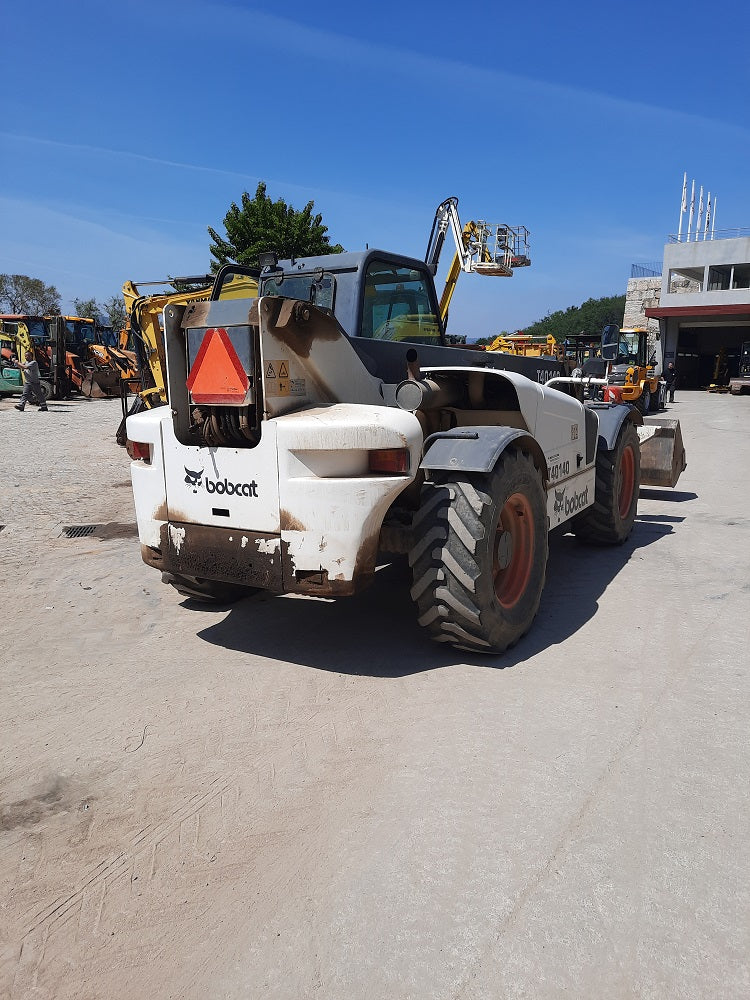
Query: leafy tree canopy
point(261, 225)
point(114, 310)
point(21, 294)
point(86, 308)
point(589, 318)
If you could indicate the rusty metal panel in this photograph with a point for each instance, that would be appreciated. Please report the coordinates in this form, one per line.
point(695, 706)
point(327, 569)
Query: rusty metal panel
point(228, 554)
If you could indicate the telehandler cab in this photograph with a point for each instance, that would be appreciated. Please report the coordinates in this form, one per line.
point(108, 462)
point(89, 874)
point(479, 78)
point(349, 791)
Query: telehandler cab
point(302, 442)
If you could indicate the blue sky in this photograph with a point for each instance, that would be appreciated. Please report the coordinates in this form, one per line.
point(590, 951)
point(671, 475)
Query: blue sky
point(127, 129)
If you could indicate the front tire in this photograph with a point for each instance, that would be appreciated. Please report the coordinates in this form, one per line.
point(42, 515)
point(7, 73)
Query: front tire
point(644, 400)
point(480, 555)
point(618, 479)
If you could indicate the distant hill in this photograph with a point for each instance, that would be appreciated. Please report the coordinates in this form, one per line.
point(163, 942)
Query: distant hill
point(589, 318)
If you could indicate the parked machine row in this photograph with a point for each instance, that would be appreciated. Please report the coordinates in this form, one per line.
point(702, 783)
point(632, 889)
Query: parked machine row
point(72, 354)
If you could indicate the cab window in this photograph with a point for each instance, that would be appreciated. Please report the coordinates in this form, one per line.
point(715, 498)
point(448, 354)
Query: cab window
point(397, 305)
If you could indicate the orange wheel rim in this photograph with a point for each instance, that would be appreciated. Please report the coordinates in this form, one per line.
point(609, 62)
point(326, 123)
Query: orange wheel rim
point(627, 481)
point(513, 555)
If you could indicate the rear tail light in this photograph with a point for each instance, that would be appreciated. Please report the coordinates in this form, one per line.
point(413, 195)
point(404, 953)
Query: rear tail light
point(612, 395)
point(394, 460)
point(139, 451)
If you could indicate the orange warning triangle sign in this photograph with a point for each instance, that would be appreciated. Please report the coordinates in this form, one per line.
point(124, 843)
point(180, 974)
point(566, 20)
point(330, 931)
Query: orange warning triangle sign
point(217, 377)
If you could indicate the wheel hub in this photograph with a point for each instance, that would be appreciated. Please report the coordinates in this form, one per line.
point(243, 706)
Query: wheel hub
point(513, 549)
point(504, 549)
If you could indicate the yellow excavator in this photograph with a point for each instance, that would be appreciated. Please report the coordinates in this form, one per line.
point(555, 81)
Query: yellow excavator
point(527, 346)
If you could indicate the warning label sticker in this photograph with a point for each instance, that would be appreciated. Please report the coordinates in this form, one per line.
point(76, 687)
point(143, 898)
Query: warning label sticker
point(277, 369)
point(278, 382)
point(290, 387)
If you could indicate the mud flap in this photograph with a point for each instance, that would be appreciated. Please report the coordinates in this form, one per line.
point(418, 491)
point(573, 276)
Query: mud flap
point(662, 452)
point(250, 559)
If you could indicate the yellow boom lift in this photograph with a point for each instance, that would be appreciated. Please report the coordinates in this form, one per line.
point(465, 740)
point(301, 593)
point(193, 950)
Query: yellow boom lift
point(481, 247)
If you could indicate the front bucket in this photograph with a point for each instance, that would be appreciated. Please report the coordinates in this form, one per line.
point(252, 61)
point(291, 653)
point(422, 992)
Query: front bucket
point(662, 451)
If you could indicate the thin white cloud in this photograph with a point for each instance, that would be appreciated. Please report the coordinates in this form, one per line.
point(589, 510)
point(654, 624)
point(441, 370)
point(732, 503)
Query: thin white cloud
point(79, 147)
point(249, 181)
point(69, 254)
point(472, 80)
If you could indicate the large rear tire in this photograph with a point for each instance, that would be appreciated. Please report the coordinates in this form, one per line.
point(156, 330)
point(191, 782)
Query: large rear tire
point(618, 478)
point(480, 555)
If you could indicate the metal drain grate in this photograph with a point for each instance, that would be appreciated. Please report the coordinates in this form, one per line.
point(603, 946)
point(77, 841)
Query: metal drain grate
point(79, 530)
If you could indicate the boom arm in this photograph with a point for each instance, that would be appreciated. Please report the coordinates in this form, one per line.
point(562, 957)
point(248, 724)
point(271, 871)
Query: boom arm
point(480, 247)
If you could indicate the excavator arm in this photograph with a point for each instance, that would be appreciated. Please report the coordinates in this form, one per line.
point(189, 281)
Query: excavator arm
point(144, 312)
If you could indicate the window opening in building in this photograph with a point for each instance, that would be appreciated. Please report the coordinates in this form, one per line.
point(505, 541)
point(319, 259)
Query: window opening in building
point(718, 278)
point(688, 279)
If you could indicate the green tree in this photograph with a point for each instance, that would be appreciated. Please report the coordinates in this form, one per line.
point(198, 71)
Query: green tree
point(261, 225)
point(21, 294)
point(114, 310)
point(87, 308)
point(589, 318)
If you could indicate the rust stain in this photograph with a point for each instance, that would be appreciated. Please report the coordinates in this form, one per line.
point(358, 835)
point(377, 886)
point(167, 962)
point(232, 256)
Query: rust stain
point(197, 314)
point(152, 557)
point(367, 557)
point(287, 323)
point(226, 554)
point(253, 316)
point(289, 522)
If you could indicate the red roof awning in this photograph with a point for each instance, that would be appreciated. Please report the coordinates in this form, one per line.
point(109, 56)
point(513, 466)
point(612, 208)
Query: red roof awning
point(731, 309)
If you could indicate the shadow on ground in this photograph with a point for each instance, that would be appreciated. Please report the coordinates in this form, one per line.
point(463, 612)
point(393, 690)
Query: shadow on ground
point(376, 633)
point(676, 496)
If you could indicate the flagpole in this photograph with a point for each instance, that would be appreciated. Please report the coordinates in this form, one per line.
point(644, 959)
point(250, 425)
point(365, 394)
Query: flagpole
point(713, 223)
point(690, 217)
point(708, 216)
point(683, 206)
point(700, 215)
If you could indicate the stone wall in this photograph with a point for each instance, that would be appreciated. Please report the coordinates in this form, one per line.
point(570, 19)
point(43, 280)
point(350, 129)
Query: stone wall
point(642, 294)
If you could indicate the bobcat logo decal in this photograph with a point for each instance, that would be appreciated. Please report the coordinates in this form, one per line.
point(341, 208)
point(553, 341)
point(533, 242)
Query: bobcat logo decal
point(559, 501)
point(193, 478)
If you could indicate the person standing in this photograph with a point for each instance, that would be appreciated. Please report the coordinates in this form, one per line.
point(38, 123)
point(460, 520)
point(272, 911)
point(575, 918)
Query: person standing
point(670, 377)
point(32, 383)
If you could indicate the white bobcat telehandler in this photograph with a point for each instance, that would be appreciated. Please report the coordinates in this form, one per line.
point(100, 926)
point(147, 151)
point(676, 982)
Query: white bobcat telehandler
point(325, 423)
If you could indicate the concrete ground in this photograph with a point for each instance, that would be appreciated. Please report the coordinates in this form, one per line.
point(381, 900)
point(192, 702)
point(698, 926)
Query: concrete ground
point(291, 798)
